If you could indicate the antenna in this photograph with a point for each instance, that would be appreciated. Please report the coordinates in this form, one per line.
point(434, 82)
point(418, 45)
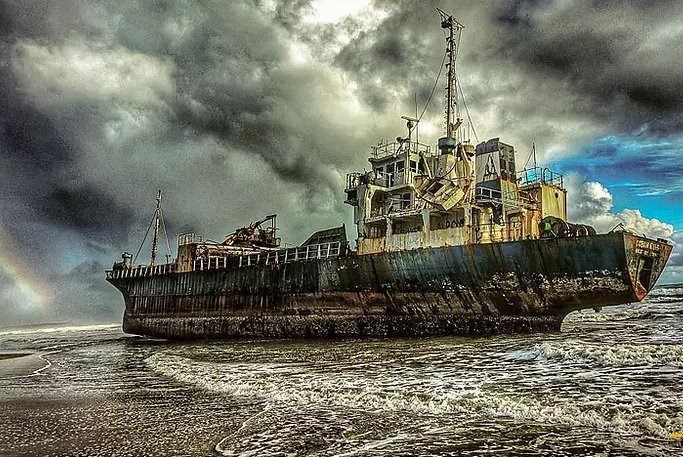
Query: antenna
point(155, 239)
point(417, 123)
point(453, 28)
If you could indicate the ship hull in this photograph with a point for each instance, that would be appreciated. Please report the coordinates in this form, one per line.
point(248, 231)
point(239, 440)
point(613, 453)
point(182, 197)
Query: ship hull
point(520, 286)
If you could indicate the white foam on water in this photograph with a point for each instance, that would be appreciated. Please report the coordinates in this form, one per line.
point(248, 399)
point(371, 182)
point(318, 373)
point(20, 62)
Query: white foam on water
point(666, 292)
point(48, 364)
point(612, 315)
point(66, 328)
point(612, 355)
point(309, 386)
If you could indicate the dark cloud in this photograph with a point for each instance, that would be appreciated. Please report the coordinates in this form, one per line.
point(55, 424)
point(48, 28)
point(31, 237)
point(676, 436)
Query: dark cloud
point(79, 294)
point(85, 209)
point(103, 103)
point(30, 139)
point(517, 12)
point(617, 55)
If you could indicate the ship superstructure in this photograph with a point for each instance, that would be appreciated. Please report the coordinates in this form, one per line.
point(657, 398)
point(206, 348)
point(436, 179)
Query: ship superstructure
point(457, 194)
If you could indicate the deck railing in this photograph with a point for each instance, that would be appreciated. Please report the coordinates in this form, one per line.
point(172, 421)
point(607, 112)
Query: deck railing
point(391, 149)
point(142, 271)
point(280, 256)
point(310, 252)
point(536, 175)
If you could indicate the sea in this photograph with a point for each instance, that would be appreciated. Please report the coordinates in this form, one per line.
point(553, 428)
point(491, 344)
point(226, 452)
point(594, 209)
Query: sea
point(610, 383)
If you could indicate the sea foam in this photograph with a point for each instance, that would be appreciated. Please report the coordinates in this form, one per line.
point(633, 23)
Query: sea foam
point(610, 355)
point(312, 387)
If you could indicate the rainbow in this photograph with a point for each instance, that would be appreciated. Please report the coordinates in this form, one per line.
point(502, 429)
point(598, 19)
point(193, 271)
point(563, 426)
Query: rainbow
point(14, 266)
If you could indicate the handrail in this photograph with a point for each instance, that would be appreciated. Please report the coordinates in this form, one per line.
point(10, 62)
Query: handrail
point(536, 175)
point(280, 256)
point(295, 254)
point(388, 149)
point(142, 271)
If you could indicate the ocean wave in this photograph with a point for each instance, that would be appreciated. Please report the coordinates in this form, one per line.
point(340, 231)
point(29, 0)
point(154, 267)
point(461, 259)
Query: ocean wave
point(612, 315)
point(316, 387)
point(610, 355)
point(664, 291)
point(65, 328)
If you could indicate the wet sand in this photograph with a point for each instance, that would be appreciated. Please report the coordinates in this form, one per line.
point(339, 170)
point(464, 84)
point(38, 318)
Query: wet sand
point(13, 364)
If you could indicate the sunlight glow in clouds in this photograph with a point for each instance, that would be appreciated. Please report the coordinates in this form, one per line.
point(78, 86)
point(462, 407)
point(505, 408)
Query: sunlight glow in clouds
point(332, 11)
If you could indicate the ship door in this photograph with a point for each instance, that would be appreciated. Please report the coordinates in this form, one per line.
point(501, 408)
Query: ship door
point(645, 271)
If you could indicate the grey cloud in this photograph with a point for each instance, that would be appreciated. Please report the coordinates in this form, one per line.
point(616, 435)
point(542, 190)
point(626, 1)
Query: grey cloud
point(618, 55)
point(398, 54)
point(86, 209)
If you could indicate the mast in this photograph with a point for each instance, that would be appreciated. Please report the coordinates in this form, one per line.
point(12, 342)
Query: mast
point(453, 28)
point(155, 240)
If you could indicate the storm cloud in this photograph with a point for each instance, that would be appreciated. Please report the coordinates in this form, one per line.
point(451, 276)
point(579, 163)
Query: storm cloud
point(622, 57)
point(244, 108)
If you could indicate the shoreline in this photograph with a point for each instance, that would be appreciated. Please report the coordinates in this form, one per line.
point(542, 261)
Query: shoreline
point(13, 355)
point(21, 363)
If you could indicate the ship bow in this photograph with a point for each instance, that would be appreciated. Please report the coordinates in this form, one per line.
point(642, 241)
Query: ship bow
point(646, 260)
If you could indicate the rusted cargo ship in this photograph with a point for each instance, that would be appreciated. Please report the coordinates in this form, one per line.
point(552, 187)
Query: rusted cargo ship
point(451, 240)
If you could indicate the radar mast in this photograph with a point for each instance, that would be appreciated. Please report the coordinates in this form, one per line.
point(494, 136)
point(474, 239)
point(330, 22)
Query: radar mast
point(453, 31)
point(155, 239)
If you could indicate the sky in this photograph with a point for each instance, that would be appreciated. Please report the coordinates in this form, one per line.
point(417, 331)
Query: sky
point(239, 109)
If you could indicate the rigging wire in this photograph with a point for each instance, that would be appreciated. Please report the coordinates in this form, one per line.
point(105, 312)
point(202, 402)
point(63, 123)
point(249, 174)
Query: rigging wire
point(163, 224)
point(431, 93)
point(467, 110)
point(533, 152)
point(149, 227)
point(145, 238)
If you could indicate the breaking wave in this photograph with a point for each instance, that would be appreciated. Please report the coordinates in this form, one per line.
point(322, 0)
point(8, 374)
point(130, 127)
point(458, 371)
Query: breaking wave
point(675, 290)
point(57, 328)
point(279, 384)
point(613, 355)
point(613, 315)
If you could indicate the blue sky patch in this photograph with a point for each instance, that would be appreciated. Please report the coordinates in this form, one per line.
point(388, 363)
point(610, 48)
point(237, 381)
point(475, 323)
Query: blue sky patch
point(644, 174)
